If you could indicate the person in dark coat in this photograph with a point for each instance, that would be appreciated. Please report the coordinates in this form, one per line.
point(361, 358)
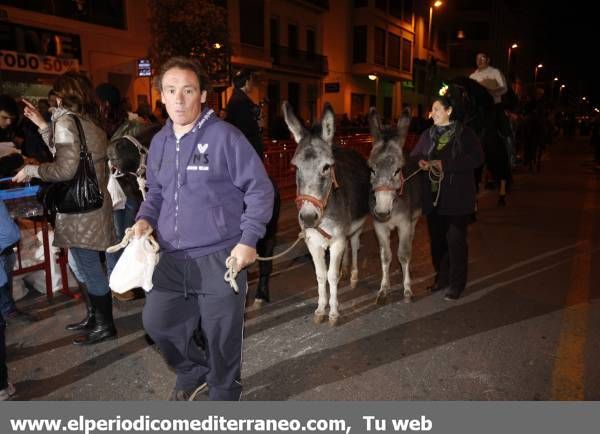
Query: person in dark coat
point(243, 113)
point(453, 149)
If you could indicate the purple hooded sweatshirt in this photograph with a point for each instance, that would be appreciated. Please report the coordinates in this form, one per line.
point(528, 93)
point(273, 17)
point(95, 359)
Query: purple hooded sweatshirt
point(207, 191)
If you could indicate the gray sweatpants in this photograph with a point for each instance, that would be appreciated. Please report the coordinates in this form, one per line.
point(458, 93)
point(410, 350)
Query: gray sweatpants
point(191, 295)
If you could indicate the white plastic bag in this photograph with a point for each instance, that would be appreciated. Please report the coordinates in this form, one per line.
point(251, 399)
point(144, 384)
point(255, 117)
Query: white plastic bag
point(32, 253)
point(136, 265)
point(116, 193)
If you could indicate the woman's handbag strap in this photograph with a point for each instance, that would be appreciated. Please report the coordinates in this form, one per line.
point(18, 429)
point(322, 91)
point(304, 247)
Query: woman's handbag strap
point(82, 144)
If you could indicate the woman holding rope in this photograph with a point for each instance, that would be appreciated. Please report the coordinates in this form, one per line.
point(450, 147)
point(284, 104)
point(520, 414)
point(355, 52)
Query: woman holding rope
point(448, 152)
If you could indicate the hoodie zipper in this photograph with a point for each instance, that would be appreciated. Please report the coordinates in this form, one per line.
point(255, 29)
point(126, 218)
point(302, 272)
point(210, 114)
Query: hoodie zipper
point(177, 190)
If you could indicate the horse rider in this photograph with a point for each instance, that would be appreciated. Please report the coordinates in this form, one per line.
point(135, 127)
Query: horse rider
point(493, 80)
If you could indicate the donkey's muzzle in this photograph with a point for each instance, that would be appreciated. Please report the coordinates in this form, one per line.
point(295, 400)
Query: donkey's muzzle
point(382, 216)
point(308, 218)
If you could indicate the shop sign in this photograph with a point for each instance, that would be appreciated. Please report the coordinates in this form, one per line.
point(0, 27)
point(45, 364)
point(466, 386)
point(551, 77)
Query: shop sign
point(332, 87)
point(25, 62)
point(144, 68)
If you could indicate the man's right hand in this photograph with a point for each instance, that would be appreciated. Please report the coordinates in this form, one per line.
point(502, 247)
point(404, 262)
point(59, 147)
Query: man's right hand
point(141, 227)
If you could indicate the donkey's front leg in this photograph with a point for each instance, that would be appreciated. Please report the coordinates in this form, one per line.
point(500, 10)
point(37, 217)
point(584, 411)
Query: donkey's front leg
point(385, 252)
point(406, 232)
point(336, 252)
point(317, 251)
point(355, 244)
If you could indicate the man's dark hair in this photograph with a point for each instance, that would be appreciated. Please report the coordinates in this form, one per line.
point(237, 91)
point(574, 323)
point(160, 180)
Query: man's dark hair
point(9, 105)
point(183, 63)
point(241, 77)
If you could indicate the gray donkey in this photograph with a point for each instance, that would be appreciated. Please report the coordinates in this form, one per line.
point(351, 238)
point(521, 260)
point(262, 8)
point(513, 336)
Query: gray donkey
point(396, 203)
point(333, 202)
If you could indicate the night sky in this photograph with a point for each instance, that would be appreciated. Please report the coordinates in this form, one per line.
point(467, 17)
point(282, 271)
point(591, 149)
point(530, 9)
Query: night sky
point(567, 35)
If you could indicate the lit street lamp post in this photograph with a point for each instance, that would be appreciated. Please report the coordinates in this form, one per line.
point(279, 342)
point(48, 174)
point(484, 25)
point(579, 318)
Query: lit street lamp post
point(375, 78)
point(560, 89)
point(436, 4)
point(512, 47)
point(535, 74)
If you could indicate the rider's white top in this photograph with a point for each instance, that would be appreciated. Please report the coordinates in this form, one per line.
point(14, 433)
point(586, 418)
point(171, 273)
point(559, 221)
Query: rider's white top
point(492, 79)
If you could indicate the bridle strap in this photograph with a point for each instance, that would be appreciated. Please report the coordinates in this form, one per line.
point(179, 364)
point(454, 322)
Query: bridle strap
point(399, 191)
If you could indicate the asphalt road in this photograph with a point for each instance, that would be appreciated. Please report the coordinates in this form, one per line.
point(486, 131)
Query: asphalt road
point(526, 328)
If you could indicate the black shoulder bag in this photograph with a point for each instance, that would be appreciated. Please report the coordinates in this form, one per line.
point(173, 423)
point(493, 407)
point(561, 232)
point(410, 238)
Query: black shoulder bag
point(82, 193)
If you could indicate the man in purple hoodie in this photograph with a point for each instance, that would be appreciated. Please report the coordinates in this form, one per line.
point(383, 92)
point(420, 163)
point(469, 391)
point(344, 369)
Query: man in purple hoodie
point(208, 198)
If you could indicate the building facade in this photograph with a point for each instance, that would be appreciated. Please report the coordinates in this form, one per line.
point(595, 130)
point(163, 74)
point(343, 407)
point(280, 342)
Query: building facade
point(104, 39)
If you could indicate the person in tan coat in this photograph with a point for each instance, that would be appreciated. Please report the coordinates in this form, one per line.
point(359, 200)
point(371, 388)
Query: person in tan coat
point(85, 234)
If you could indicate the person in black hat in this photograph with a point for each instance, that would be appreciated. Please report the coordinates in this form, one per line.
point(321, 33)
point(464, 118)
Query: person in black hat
point(243, 113)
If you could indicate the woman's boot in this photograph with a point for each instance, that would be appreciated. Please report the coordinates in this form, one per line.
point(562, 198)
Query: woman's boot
point(104, 327)
point(90, 320)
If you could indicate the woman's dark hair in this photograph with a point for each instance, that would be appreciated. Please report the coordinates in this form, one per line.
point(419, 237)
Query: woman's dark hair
point(112, 109)
point(186, 63)
point(241, 77)
point(447, 103)
point(77, 95)
point(9, 105)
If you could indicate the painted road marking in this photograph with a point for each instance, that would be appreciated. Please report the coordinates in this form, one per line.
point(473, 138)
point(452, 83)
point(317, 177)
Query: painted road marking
point(569, 366)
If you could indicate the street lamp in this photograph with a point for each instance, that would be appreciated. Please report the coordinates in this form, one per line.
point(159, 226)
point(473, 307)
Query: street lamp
point(535, 74)
point(512, 47)
point(436, 4)
point(375, 78)
point(560, 89)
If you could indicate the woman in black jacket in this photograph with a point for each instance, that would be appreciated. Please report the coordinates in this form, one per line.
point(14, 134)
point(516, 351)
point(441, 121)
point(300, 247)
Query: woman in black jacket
point(453, 150)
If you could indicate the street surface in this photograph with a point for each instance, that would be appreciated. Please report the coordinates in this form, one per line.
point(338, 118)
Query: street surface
point(526, 328)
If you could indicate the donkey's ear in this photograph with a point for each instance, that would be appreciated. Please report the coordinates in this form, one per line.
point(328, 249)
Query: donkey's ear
point(327, 123)
point(404, 122)
point(375, 124)
point(292, 121)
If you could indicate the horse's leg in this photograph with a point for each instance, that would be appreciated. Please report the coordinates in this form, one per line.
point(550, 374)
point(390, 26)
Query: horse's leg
point(317, 251)
point(336, 251)
point(406, 233)
point(385, 253)
point(355, 244)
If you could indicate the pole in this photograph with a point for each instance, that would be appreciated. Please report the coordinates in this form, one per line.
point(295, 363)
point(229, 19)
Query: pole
point(377, 92)
point(429, 32)
point(150, 93)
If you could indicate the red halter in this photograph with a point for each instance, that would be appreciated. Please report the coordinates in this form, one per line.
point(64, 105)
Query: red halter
point(398, 190)
point(321, 204)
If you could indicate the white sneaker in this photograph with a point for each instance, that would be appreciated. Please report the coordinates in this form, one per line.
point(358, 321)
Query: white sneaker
point(6, 394)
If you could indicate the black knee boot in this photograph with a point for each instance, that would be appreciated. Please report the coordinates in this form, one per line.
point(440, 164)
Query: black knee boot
point(104, 327)
point(90, 320)
point(262, 291)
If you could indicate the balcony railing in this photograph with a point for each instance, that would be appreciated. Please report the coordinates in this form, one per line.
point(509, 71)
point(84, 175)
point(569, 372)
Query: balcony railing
point(299, 60)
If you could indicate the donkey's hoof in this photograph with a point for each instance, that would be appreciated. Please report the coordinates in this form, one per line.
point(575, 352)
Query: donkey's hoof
point(381, 298)
point(354, 279)
point(319, 318)
point(407, 298)
point(334, 320)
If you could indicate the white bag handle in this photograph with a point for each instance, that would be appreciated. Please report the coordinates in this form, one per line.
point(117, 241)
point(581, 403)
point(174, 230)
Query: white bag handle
point(154, 247)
